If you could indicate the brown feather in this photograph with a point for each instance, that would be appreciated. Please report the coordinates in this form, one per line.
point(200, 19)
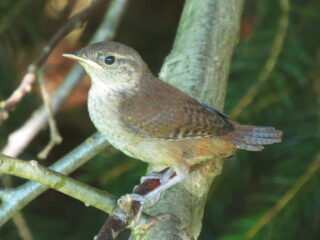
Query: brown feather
point(163, 112)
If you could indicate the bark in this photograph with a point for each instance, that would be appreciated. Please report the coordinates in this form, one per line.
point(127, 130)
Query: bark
point(199, 65)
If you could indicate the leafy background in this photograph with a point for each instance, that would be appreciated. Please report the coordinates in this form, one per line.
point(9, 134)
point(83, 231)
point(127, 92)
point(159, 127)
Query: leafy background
point(251, 183)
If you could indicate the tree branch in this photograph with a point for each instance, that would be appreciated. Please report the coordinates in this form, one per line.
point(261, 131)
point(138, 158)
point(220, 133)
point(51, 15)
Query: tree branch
point(199, 65)
point(14, 200)
point(33, 171)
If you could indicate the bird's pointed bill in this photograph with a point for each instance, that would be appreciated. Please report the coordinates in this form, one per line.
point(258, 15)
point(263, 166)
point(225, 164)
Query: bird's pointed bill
point(75, 56)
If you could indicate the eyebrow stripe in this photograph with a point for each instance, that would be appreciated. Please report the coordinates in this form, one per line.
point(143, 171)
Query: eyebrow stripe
point(128, 61)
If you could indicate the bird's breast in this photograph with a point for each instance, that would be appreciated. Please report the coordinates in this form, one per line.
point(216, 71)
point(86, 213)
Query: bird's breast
point(103, 110)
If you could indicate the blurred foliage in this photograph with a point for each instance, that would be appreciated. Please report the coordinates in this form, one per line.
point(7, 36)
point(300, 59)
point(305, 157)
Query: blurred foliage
point(251, 183)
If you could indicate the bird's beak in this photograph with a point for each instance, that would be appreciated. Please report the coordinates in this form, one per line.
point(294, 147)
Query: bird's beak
point(75, 56)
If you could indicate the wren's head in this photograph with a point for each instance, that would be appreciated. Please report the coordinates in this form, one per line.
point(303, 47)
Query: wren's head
point(111, 63)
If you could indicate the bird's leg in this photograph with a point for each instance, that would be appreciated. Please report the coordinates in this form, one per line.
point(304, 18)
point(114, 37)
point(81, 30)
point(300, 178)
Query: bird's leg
point(162, 176)
point(166, 178)
point(166, 183)
point(151, 187)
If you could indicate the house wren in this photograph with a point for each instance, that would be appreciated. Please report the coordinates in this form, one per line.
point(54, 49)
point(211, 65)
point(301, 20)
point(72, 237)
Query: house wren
point(150, 120)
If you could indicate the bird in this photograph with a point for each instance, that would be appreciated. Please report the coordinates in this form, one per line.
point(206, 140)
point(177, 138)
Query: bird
point(153, 121)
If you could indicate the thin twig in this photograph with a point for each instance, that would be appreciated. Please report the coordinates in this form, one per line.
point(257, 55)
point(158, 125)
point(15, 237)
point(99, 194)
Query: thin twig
point(19, 139)
point(284, 200)
point(270, 63)
point(55, 137)
point(30, 77)
point(22, 227)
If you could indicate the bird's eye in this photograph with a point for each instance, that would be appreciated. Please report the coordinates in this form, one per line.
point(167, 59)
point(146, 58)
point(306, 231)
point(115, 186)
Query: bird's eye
point(109, 60)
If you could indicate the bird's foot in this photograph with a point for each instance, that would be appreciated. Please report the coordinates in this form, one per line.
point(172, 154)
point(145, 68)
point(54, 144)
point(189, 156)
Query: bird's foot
point(162, 176)
point(156, 183)
point(166, 182)
point(151, 188)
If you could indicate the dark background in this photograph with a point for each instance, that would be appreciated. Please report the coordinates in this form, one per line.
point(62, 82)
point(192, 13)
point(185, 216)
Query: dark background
point(251, 183)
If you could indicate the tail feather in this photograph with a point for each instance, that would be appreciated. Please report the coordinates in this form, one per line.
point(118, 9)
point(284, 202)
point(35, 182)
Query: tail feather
point(260, 140)
point(253, 138)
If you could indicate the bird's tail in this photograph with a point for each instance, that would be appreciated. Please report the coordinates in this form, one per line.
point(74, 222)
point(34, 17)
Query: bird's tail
point(253, 138)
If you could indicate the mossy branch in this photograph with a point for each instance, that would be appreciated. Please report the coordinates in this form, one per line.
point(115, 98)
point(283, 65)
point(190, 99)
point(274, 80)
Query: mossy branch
point(14, 200)
point(33, 171)
point(199, 65)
